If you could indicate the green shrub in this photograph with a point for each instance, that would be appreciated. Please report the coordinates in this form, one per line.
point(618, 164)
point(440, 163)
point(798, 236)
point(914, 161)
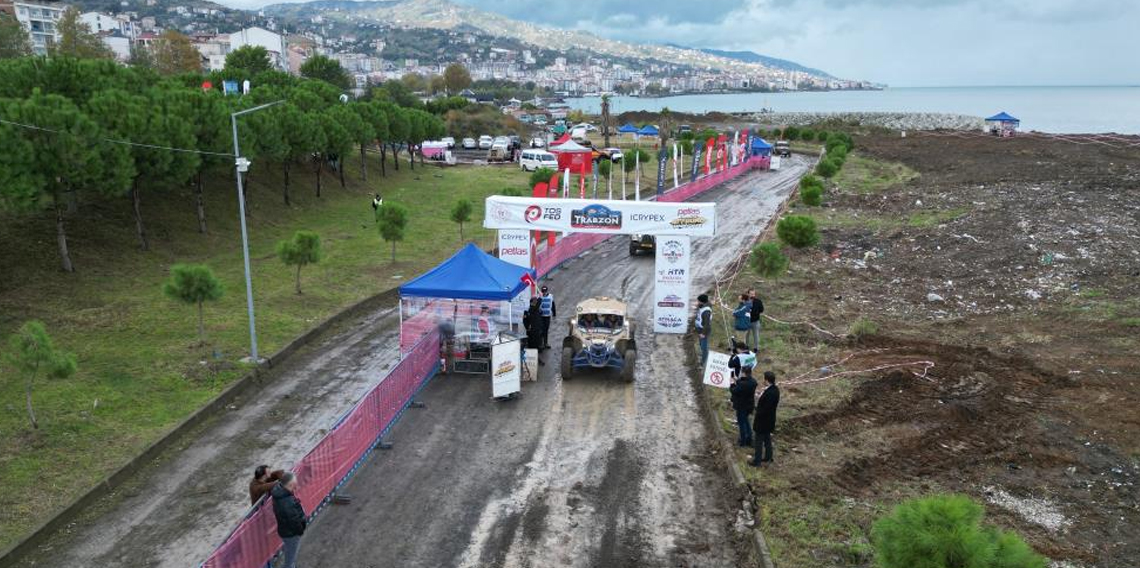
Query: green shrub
point(792, 133)
point(838, 153)
point(945, 531)
point(812, 195)
point(768, 260)
point(513, 191)
point(798, 231)
point(810, 180)
point(632, 157)
point(863, 327)
point(827, 168)
point(541, 175)
point(807, 135)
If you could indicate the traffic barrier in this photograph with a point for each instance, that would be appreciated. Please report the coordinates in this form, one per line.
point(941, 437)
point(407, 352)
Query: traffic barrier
point(334, 459)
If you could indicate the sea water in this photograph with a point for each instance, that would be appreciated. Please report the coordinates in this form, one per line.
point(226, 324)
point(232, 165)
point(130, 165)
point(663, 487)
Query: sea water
point(1046, 109)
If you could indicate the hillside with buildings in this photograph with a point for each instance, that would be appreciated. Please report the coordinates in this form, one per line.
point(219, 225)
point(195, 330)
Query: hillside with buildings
point(377, 41)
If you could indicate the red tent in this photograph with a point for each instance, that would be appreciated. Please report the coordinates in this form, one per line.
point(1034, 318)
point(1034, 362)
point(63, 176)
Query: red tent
point(572, 155)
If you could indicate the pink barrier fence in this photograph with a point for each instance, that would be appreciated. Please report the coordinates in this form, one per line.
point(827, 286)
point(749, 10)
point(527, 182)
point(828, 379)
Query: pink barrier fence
point(333, 459)
point(341, 452)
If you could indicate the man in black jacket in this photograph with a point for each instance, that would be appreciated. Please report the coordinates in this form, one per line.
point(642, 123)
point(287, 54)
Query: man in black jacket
point(753, 337)
point(743, 401)
point(765, 422)
point(291, 518)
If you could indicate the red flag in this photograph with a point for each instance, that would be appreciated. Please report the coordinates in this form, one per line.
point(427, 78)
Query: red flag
point(528, 279)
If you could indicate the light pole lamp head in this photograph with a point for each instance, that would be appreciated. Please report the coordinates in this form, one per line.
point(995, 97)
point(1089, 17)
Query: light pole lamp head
point(242, 165)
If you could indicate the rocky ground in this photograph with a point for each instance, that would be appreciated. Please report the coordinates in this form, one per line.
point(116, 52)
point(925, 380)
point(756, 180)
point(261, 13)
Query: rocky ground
point(1011, 266)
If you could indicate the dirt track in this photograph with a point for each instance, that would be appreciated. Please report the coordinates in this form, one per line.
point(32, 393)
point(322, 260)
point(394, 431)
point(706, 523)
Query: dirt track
point(593, 472)
point(587, 472)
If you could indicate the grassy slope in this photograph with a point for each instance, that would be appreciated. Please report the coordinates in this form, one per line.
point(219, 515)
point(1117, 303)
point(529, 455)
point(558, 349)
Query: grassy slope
point(140, 369)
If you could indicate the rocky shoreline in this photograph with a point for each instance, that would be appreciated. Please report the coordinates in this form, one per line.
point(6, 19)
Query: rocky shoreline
point(892, 120)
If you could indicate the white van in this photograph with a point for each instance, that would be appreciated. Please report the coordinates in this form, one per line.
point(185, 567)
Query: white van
point(533, 159)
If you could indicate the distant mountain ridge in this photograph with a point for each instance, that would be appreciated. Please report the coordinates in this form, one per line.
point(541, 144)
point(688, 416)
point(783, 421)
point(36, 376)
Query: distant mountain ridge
point(775, 62)
point(442, 14)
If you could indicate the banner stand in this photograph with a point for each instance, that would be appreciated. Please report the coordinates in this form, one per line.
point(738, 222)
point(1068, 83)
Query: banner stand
point(506, 367)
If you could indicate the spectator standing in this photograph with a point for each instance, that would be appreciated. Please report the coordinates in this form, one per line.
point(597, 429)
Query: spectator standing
point(262, 482)
point(743, 402)
point(703, 324)
point(291, 518)
point(741, 316)
point(765, 422)
point(548, 310)
point(753, 338)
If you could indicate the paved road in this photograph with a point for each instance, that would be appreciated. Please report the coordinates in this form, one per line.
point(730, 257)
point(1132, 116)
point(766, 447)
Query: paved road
point(587, 472)
point(591, 472)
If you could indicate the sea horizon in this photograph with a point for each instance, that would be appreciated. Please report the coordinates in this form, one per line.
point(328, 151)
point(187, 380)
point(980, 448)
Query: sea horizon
point(1068, 109)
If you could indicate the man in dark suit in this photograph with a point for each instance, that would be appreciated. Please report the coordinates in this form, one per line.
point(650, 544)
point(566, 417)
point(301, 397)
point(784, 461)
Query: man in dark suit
point(765, 422)
point(743, 401)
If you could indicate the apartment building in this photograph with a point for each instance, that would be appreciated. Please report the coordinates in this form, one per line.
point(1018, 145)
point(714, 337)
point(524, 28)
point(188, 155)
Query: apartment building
point(40, 19)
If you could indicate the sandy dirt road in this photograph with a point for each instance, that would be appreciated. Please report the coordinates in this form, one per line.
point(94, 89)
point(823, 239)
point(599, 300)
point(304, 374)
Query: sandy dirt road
point(591, 471)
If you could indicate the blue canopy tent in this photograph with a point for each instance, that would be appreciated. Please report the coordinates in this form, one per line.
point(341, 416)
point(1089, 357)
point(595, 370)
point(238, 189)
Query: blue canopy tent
point(761, 147)
point(648, 130)
point(627, 128)
point(1002, 124)
point(470, 274)
point(465, 284)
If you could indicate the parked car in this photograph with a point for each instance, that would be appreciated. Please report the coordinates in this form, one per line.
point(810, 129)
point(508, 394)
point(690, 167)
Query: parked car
point(537, 142)
point(449, 140)
point(684, 129)
point(485, 142)
point(470, 144)
point(501, 141)
point(614, 154)
point(585, 126)
point(533, 159)
point(499, 153)
point(516, 142)
point(540, 121)
point(783, 148)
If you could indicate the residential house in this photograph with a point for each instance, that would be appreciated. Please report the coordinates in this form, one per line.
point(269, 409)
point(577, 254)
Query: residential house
point(272, 42)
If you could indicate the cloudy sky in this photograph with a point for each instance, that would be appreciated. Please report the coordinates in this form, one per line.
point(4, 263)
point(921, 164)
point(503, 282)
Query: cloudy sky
point(899, 42)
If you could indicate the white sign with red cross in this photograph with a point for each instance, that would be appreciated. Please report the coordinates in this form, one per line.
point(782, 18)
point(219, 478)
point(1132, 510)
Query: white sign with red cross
point(717, 372)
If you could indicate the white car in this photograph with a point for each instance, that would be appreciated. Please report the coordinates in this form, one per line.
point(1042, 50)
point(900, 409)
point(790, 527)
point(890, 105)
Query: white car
point(531, 160)
point(615, 154)
point(540, 121)
point(585, 126)
point(470, 144)
point(537, 142)
point(485, 142)
point(501, 141)
point(449, 140)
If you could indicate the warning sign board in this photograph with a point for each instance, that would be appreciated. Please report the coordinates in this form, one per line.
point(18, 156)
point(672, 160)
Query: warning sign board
point(717, 373)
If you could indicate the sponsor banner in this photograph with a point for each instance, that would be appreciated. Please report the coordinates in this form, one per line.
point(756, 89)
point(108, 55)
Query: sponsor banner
point(698, 150)
point(600, 216)
point(506, 367)
point(662, 159)
point(671, 284)
point(514, 247)
point(676, 160)
point(717, 373)
point(709, 156)
point(774, 163)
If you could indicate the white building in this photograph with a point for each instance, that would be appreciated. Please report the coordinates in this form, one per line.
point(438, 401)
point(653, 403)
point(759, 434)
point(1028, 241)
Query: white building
point(40, 19)
point(118, 45)
point(272, 42)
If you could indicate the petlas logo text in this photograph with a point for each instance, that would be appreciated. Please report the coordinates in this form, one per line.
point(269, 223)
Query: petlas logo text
point(595, 217)
point(513, 251)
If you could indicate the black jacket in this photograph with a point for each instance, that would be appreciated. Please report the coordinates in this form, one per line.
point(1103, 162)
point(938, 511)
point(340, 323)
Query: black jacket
point(757, 308)
point(532, 321)
point(765, 420)
point(291, 520)
point(743, 394)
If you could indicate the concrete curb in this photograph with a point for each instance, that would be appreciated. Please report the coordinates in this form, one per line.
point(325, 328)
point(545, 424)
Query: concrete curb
point(258, 377)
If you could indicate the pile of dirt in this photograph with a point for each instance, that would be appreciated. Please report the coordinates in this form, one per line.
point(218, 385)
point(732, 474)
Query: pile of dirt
point(1013, 266)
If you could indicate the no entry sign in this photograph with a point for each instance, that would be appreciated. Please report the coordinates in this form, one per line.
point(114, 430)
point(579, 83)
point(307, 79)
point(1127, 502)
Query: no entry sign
point(717, 372)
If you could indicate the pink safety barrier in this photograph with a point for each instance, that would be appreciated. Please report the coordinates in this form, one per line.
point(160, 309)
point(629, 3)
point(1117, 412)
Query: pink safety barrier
point(334, 458)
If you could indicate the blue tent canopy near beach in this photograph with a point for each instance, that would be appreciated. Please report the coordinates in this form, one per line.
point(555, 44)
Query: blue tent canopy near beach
point(648, 130)
point(627, 128)
point(469, 274)
point(1002, 117)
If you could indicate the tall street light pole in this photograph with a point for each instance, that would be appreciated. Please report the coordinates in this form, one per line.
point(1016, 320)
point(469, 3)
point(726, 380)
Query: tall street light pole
point(242, 166)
